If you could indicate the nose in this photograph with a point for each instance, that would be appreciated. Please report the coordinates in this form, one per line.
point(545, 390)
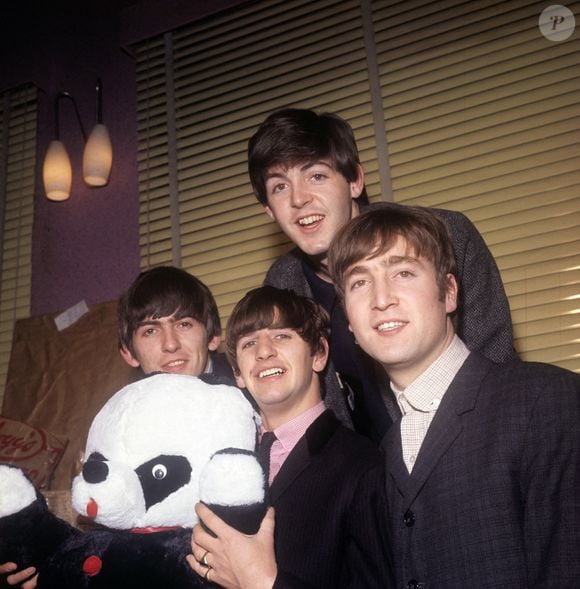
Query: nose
point(264, 348)
point(95, 471)
point(383, 295)
point(299, 196)
point(170, 341)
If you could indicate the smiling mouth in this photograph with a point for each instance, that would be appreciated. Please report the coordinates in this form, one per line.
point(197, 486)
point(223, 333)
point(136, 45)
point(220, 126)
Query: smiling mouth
point(271, 372)
point(389, 325)
point(310, 220)
point(175, 364)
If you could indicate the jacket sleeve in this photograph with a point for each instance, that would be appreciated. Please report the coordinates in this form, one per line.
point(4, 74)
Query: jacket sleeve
point(549, 481)
point(286, 580)
point(485, 323)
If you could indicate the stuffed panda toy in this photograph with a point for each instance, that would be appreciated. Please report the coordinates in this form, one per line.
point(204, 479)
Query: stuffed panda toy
point(156, 448)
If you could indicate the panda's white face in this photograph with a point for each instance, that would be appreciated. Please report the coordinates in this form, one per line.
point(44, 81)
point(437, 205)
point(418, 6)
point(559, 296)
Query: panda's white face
point(149, 444)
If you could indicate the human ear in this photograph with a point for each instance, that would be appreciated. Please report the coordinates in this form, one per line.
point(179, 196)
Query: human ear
point(239, 380)
point(451, 294)
point(128, 357)
point(214, 343)
point(269, 212)
point(357, 185)
point(320, 356)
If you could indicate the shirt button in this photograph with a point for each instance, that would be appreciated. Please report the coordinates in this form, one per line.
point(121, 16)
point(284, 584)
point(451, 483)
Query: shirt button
point(409, 518)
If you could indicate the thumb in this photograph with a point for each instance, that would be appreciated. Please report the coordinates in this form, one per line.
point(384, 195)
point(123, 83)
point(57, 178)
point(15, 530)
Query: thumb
point(269, 522)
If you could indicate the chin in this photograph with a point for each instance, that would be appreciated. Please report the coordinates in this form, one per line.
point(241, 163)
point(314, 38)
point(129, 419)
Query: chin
point(317, 250)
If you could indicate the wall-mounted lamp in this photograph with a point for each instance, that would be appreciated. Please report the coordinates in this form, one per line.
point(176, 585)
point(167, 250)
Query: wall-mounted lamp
point(97, 157)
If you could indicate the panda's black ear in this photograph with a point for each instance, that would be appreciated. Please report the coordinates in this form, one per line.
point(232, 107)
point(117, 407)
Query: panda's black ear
point(143, 376)
point(215, 379)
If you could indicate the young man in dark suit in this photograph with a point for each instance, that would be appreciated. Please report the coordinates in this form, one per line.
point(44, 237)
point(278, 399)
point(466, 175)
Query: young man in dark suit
point(326, 483)
point(483, 466)
point(305, 170)
point(168, 322)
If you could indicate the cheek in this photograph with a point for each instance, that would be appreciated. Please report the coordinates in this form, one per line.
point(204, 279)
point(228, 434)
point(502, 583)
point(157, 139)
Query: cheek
point(352, 309)
point(143, 348)
point(276, 211)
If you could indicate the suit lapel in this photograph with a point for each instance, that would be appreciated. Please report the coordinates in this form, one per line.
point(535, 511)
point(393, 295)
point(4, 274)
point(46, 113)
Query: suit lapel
point(393, 448)
point(310, 444)
point(446, 427)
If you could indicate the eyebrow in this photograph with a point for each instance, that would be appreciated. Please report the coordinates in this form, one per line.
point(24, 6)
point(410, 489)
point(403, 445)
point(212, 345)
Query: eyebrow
point(390, 261)
point(309, 165)
point(147, 322)
point(158, 321)
point(274, 174)
point(396, 260)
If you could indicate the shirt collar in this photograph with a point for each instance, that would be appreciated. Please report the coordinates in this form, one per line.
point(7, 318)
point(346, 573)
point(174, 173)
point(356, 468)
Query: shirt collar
point(426, 391)
point(289, 433)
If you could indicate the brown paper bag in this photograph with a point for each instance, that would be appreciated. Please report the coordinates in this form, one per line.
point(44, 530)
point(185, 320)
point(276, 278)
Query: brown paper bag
point(58, 380)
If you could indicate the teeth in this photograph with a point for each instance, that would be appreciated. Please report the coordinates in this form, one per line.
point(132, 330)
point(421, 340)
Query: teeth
point(309, 220)
point(271, 372)
point(389, 325)
point(176, 363)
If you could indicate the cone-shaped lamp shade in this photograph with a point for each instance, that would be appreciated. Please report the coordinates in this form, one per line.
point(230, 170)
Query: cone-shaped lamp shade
point(98, 157)
point(57, 171)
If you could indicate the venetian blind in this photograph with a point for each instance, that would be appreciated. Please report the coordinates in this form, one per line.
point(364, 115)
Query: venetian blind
point(483, 116)
point(18, 111)
point(203, 90)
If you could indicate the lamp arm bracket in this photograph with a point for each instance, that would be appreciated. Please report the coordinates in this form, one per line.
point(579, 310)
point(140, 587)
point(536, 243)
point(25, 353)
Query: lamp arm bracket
point(57, 100)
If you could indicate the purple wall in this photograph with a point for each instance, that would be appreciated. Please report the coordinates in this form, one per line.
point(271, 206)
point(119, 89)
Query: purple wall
point(88, 246)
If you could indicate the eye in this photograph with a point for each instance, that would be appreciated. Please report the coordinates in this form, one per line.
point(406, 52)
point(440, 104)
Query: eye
point(319, 177)
point(283, 336)
point(159, 471)
point(357, 284)
point(248, 344)
point(278, 187)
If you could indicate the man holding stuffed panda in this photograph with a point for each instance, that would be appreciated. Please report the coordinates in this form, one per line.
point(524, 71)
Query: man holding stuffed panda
point(168, 322)
point(326, 482)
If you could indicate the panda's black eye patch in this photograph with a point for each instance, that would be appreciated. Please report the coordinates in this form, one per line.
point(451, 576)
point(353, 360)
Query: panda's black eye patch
point(162, 476)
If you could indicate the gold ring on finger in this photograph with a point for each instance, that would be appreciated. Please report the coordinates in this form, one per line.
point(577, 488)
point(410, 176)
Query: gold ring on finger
point(203, 560)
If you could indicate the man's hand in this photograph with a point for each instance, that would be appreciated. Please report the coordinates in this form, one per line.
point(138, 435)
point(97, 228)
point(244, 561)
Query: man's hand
point(25, 576)
point(234, 560)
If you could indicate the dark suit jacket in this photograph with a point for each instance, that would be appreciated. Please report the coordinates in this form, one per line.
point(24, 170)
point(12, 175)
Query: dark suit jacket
point(331, 512)
point(484, 317)
point(494, 497)
point(221, 367)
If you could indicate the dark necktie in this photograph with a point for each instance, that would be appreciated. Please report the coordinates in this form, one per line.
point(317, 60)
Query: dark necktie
point(268, 438)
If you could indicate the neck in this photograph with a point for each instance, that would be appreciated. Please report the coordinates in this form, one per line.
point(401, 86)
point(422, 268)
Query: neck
point(321, 269)
point(320, 262)
point(274, 417)
point(403, 376)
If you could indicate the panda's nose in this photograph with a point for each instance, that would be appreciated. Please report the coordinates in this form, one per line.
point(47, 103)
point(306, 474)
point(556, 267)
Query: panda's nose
point(95, 471)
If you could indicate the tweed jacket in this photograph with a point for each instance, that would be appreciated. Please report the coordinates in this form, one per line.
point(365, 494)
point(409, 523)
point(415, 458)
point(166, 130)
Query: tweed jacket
point(484, 315)
point(331, 518)
point(493, 499)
